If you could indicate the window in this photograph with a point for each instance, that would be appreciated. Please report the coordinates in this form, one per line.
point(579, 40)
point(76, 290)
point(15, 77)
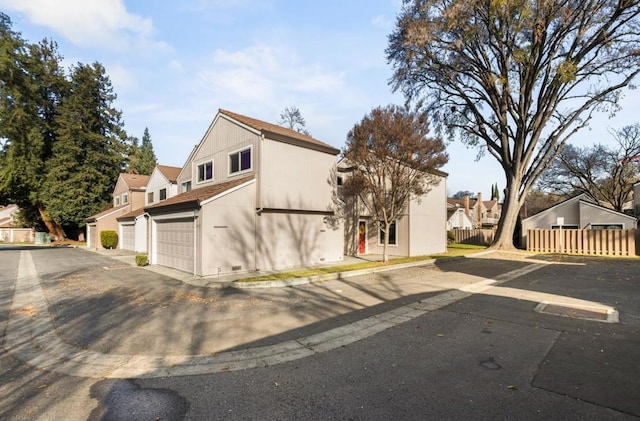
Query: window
point(240, 161)
point(205, 171)
point(163, 194)
point(606, 226)
point(393, 237)
point(116, 201)
point(125, 198)
point(186, 186)
point(565, 227)
point(150, 197)
point(339, 180)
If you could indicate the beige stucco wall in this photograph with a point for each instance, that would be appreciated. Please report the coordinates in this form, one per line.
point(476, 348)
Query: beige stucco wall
point(591, 215)
point(227, 233)
point(401, 248)
point(293, 177)
point(427, 221)
point(297, 239)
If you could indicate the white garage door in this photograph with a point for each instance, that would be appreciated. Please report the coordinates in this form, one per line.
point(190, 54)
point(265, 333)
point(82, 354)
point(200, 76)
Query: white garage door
point(129, 237)
point(175, 244)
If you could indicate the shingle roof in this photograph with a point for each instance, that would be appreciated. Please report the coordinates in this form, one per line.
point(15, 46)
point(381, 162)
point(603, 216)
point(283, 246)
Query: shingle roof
point(132, 214)
point(171, 173)
point(197, 196)
point(105, 212)
point(135, 181)
point(263, 126)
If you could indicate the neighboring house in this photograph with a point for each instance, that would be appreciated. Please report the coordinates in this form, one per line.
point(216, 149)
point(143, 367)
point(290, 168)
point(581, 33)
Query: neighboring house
point(636, 199)
point(457, 217)
point(133, 226)
point(420, 230)
point(7, 215)
point(253, 196)
point(482, 214)
point(128, 196)
point(579, 212)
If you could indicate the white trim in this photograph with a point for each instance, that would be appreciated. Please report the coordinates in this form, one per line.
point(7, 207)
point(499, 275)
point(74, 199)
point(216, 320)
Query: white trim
point(175, 215)
point(197, 166)
point(238, 151)
point(125, 196)
point(183, 183)
point(111, 213)
point(226, 192)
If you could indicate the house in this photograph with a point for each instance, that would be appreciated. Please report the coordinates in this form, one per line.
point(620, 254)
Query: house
point(636, 199)
point(420, 230)
point(128, 196)
point(253, 196)
point(578, 212)
point(133, 226)
point(457, 217)
point(7, 216)
point(482, 214)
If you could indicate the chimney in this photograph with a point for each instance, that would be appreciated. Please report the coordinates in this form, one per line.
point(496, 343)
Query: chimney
point(466, 205)
point(479, 209)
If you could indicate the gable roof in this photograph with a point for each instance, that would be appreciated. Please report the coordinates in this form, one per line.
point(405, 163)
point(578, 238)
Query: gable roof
point(135, 181)
point(582, 196)
point(131, 215)
point(269, 130)
point(170, 173)
point(605, 209)
point(104, 213)
point(193, 198)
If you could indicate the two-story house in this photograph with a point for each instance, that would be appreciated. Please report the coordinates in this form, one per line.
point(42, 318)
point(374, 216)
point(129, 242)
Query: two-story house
point(128, 195)
point(419, 230)
point(254, 196)
point(133, 226)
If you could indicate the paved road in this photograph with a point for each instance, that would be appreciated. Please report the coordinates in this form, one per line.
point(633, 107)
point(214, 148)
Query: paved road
point(454, 340)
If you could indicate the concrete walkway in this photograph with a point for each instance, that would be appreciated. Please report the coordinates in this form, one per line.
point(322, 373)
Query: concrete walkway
point(31, 336)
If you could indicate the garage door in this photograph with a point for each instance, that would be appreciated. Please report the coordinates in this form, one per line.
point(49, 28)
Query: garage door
point(175, 244)
point(129, 237)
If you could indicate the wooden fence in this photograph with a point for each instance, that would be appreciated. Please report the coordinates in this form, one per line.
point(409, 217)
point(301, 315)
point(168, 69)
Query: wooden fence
point(480, 237)
point(16, 235)
point(575, 241)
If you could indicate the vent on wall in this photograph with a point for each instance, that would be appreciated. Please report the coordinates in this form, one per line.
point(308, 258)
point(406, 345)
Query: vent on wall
point(236, 267)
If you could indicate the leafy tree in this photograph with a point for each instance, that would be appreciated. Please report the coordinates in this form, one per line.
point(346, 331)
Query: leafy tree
point(31, 88)
point(392, 160)
point(147, 158)
point(461, 194)
point(607, 174)
point(89, 153)
point(539, 200)
point(291, 118)
point(519, 76)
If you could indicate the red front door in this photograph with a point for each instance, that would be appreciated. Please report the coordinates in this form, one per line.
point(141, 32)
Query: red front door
point(362, 237)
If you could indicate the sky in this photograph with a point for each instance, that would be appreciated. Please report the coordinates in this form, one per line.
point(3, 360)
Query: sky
point(173, 64)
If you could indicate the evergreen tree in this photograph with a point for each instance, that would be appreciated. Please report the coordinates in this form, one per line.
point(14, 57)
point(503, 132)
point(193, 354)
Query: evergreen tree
point(90, 151)
point(146, 157)
point(32, 86)
point(133, 155)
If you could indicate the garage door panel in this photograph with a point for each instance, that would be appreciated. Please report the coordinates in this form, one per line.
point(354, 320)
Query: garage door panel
point(129, 237)
point(175, 244)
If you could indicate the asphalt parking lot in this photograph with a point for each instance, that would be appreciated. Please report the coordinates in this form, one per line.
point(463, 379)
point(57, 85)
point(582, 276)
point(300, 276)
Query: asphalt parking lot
point(466, 332)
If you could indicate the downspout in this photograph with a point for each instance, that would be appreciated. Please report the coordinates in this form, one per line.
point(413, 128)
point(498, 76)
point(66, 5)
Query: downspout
point(259, 207)
point(195, 241)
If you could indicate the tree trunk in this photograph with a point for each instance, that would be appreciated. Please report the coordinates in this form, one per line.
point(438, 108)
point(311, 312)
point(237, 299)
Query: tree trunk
point(55, 230)
point(385, 256)
point(503, 239)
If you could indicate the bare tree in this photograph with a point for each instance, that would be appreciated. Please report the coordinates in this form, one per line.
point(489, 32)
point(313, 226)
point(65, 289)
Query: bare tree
point(392, 160)
point(516, 76)
point(291, 118)
point(606, 174)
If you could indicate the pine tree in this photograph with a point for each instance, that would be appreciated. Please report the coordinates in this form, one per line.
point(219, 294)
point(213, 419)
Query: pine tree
point(146, 157)
point(133, 155)
point(90, 151)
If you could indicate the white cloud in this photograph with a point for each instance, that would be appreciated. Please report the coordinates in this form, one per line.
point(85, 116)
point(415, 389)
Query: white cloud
point(381, 21)
point(89, 23)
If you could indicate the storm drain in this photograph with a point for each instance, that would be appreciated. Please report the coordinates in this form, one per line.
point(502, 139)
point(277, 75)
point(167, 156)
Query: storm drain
point(576, 311)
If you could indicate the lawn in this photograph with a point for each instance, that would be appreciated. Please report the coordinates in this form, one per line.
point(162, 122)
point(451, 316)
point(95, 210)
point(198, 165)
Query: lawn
point(453, 250)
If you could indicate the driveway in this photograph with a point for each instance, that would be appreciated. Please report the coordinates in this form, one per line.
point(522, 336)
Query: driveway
point(77, 313)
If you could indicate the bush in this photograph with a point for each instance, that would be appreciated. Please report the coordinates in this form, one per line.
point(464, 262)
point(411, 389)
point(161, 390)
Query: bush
point(451, 236)
point(142, 260)
point(109, 239)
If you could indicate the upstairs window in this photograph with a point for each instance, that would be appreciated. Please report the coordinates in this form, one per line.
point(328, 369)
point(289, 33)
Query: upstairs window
point(205, 171)
point(240, 161)
point(116, 201)
point(186, 186)
point(125, 198)
point(150, 197)
point(163, 194)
